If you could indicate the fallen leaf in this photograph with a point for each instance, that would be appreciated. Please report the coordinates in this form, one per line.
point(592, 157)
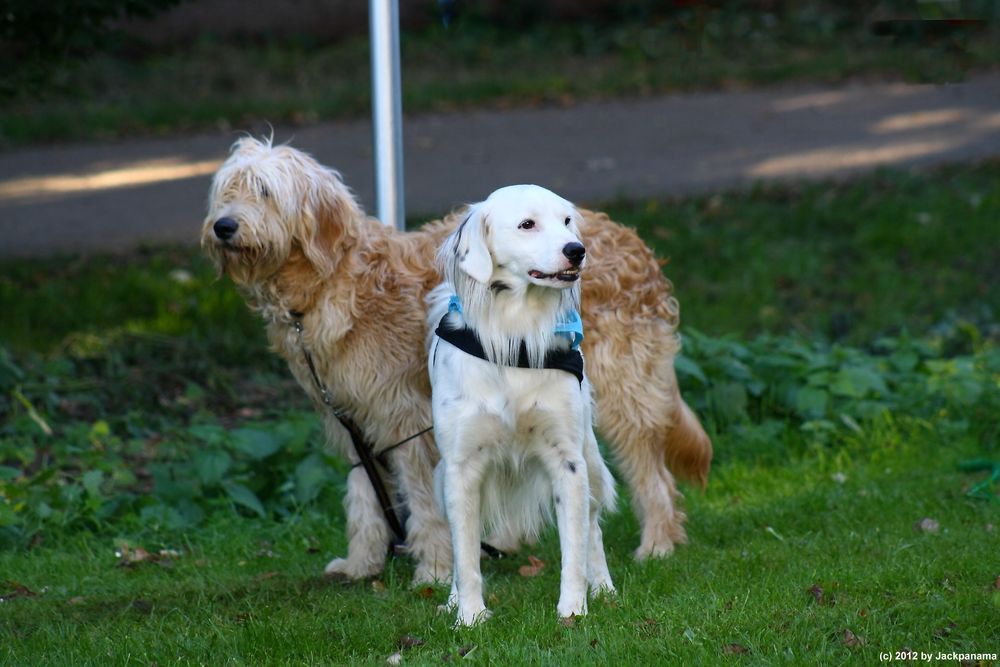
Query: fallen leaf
point(927, 525)
point(409, 641)
point(533, 569)
point(426, 592)
point(823, 596)
point(378, 586)
point(75, 600)
point(593, 643)
point(852, 640)
point(862, 613)
point(568, 621)
point(17, 590)
point(735, 649)
point(264, 576)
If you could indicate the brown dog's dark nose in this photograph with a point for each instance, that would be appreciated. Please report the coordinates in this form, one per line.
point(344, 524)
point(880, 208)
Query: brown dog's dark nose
point(575, 252)
point(225, 228)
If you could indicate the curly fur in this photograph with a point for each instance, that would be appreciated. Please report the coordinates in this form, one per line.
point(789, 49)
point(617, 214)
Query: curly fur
point(305, 245)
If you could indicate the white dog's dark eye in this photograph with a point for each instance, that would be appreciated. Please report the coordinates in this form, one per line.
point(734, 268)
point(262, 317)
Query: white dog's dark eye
point(567, 221)
point(527, 224)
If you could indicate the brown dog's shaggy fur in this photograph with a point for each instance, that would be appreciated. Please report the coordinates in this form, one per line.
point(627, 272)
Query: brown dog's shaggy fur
point(294, 239)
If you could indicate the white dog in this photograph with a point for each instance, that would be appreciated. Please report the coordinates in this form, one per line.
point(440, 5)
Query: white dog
point(512, 408)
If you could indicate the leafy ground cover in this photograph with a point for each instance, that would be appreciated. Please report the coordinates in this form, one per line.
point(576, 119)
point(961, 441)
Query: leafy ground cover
point(478, 61)
point(165, 496)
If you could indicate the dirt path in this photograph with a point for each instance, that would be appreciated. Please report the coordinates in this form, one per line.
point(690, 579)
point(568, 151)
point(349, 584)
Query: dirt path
point(85, 198)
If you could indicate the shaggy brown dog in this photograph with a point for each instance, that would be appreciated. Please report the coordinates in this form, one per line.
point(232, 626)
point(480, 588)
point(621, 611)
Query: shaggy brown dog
point(293, 238)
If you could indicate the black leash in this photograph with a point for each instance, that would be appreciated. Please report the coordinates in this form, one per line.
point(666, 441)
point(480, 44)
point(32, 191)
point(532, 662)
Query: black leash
point(381, 455)
point(361, 448)
point(364, 451)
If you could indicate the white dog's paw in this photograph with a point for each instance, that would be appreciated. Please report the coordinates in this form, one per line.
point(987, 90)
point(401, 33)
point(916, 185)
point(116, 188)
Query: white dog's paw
point(427, 573)
point(660, 549)
point(574, 606)
point(472, 616)
point(602, 588)
point(344, 567)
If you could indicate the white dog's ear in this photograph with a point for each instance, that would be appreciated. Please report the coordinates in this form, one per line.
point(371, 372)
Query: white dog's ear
point(471, 248)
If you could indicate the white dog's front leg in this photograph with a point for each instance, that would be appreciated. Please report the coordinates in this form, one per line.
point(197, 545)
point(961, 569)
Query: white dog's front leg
point(598, 575)
point(602, 496)
point(569, 481)
point(367, 531)
point(462, 497)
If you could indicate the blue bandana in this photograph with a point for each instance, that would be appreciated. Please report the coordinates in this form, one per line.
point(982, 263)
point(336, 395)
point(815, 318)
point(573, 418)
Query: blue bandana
point(570, 325)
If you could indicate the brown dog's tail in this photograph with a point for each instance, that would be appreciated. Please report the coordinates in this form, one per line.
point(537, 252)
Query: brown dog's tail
point(688, 448)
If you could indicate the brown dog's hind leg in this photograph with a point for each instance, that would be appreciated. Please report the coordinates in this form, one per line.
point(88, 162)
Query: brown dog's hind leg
point(367, 531)
point(646, 423)
point(655, 498)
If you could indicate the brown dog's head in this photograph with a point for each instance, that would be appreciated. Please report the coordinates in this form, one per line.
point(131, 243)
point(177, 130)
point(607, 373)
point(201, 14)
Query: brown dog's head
point(270, 203)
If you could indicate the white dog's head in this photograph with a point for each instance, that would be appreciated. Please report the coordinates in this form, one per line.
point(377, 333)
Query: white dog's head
point(521, 234)
point(270, 205)
point(515, 263)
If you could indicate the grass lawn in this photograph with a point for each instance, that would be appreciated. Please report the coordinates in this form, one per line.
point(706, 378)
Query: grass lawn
point(477, 62)
point(784, 562)
point(164, 496)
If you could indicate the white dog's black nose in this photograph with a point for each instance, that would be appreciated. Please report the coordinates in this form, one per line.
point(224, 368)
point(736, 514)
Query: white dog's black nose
point(574, 252)
point(225, 228)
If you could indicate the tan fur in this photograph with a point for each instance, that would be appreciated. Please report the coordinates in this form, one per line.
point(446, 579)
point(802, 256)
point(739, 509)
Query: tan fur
point(305, 245)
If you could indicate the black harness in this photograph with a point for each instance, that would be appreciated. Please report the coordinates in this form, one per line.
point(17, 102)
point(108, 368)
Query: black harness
point(465, 339)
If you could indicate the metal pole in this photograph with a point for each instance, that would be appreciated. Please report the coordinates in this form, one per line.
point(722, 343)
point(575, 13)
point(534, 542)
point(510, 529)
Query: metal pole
point(387, 113)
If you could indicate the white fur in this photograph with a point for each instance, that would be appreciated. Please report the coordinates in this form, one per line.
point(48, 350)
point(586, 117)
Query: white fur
point(515, 441)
